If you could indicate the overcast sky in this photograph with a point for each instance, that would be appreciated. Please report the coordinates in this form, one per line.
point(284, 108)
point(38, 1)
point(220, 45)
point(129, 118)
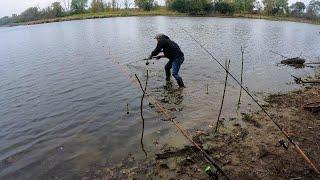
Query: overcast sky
point(8, 7)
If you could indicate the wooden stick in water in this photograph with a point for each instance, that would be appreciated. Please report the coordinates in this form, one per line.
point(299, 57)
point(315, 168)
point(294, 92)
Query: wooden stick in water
point(207, 88)
point(241, 78)
point(224, 92)
point(127, 108)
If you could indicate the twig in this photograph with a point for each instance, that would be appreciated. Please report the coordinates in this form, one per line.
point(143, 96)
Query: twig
point(300, 54)
point(241, 78)
point(207, 88)
point(141, 111)
point(279, 54)
point(127, 108)
point(224, 92)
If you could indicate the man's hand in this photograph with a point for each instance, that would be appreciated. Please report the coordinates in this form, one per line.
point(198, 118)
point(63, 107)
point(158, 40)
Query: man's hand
point(159, 57)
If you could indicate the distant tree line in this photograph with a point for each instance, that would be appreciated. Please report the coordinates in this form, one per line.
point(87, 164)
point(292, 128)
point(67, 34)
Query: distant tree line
point(270, 8)
point(229, 7)
point(192, 7)
point(35, 13)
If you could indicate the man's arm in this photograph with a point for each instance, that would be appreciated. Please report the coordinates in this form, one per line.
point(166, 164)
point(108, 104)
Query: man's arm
point(157, 50)
point(160, 56)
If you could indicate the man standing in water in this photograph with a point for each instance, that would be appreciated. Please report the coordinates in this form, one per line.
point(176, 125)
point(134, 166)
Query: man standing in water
point(172, 51)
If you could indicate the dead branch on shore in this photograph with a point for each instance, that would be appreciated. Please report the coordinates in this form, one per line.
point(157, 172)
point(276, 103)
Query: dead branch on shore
point(299, 81)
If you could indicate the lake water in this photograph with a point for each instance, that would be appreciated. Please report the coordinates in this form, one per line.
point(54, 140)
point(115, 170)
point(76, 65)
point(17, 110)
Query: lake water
point(63, 101)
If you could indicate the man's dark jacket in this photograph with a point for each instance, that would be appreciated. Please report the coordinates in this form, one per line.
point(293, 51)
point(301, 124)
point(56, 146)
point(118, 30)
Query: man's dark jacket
point(170, 49)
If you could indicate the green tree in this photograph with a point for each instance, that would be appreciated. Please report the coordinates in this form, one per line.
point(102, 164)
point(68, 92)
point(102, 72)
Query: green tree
point(313, 9)
point(46, 13)
point(297, 8)
point(57, 9)
point(177, 5)
point(193, 7)
point(275, 7)
point(5, 20)
point(30, 14)
point(281, 7)
point(146, 5)
point(268, 6)
point(97, 6)
point(224, 7)
point(78, 6)
point(244, 5)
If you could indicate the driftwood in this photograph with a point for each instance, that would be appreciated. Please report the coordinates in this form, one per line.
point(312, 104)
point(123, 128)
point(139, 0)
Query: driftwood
point(314, 107)
point(291, 61)
point(299, 80)
point(295, 60)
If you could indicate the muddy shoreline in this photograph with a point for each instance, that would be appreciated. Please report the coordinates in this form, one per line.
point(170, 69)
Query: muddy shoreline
point(247, 151)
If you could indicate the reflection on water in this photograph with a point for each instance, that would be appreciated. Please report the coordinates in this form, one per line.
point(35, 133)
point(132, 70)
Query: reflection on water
point(63, 103)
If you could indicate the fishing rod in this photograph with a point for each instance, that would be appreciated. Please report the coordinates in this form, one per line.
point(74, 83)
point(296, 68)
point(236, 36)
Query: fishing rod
point(169, 117)
point(297, 148)
point(154, 58)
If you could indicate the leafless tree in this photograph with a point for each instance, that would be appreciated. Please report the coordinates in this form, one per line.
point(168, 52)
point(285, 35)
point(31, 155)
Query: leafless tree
point(126, 4)
point(66, 5)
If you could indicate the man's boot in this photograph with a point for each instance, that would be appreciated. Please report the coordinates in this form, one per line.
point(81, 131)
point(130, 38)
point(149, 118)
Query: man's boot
point(180, 82)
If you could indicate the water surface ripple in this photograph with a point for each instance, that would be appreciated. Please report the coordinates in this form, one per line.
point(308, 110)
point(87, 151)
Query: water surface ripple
point(63, 100)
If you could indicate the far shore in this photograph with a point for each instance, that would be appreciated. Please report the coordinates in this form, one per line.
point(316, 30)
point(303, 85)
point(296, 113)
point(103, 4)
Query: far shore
point(160, 12)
